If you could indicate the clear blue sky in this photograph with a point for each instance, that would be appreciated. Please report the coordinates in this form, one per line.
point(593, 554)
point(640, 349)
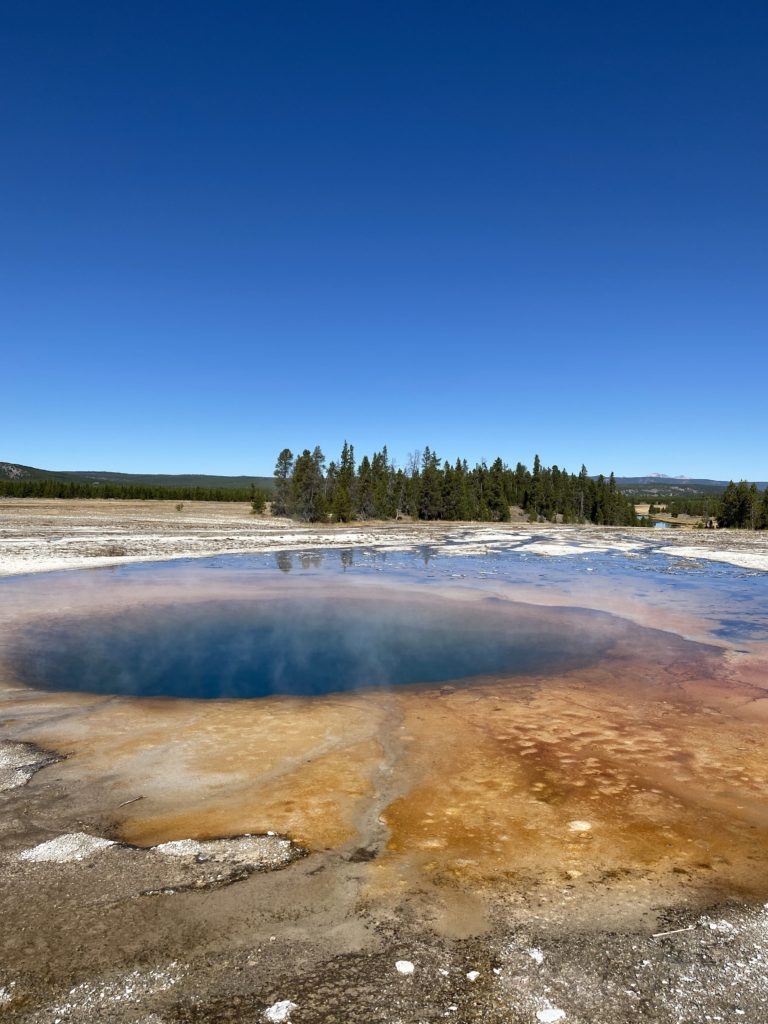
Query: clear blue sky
point(492, 228)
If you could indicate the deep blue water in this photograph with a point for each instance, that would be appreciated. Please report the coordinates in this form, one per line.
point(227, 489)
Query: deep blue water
point(302, 646)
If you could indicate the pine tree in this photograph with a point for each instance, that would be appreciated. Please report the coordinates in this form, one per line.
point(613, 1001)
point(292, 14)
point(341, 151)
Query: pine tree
point(498, 506)
point(431, 496)
point(763, 520)
point(739, 506)
point(343, 502)
point(283, 472)
point(307, 487)
point(365, 500)
point(382, 485)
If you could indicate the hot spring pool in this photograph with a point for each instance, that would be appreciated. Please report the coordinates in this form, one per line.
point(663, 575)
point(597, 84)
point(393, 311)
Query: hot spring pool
point(303, 645)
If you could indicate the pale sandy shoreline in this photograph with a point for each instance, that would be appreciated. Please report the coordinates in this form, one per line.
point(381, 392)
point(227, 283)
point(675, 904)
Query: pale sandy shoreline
point(38, 535)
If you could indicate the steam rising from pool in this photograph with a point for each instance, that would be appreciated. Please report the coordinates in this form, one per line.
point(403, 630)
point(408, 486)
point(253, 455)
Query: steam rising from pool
point(302, 646)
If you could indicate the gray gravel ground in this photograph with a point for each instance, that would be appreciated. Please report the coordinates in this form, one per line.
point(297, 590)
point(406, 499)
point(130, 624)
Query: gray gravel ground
point(203, 933)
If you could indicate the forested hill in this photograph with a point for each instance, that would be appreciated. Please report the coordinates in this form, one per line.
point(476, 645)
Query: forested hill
point(27, 481)
point(428, 488)
point(658, 485)
point(13, 471)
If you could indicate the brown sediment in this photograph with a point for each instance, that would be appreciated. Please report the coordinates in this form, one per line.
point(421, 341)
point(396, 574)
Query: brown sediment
point(574, 783)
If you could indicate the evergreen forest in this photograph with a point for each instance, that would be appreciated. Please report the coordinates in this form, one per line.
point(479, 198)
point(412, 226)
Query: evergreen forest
point(52, 488)
point(742, 506)
point(308, 489)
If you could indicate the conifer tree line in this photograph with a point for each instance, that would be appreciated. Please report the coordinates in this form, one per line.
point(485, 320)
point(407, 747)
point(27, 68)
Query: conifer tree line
point(743, 507)
point(126, 492)
point(308, 489)
point(305, 488)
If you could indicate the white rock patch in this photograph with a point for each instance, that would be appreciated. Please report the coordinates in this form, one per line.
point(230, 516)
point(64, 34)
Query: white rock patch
point(555, 547)
point(179, 848)
point(18, 763)
point(724, 927)
point(404, 967)
point(13, 778)
point(743, 559)
point(72, 846)
point(17, 755)
point(266, 851)
point(280, 1011)
point(550, 1015)
point(580, 826)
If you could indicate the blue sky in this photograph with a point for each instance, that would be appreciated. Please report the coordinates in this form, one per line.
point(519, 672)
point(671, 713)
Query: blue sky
point(493, 229)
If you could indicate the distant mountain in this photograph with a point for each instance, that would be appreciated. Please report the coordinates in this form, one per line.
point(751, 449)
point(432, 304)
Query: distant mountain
point(660, 485)
point(666, 476)
point(13, 471)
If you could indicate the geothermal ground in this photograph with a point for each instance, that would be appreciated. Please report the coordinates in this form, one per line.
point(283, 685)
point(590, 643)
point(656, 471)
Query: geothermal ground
point(586, 845)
